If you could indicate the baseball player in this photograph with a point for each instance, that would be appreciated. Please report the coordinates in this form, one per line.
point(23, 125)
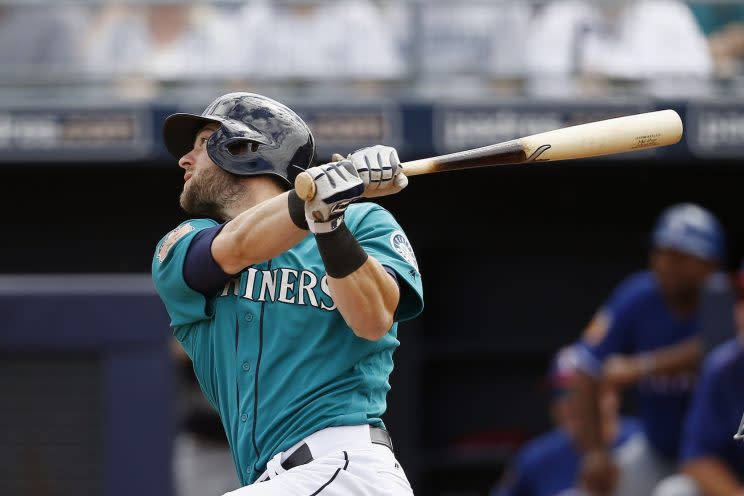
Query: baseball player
point(646, 335)
point(549, 465)
point(288, 309)
point(712, 461)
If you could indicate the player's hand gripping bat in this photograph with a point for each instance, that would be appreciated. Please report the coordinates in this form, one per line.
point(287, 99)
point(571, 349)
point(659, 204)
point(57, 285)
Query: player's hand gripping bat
point(623, 134)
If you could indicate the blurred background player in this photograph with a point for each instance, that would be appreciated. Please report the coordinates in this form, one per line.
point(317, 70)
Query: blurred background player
point(341, 39)
point(168, 41)
point(723, 24)
point(603, 41)
point(646, 335)
point(549, 465)
point(712, 461)
point(37, 38)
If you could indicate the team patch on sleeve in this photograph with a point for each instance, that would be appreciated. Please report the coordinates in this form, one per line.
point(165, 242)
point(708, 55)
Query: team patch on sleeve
point(403, 247)
point(171, 238)
point(597, 329)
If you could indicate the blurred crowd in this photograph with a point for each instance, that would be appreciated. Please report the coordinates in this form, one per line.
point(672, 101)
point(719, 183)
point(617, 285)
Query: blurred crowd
point(668, 335)
point(557, 48)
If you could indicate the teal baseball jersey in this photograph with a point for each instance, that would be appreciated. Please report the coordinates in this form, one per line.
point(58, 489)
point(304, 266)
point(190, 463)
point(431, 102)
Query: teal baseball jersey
point(271, 351)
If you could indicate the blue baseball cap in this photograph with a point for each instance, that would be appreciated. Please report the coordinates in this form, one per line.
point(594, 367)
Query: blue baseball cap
point(690, 229)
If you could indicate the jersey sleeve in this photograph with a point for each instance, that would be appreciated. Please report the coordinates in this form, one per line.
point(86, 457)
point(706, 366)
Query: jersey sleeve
point(513, 483)
point(609, 332)
point(706, 433)
point(184, 304)
point(518, 476)
point(382, 238)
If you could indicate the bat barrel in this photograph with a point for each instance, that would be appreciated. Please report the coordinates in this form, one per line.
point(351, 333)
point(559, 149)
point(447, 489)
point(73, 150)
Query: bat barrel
point(620, 135)
point(595, 139)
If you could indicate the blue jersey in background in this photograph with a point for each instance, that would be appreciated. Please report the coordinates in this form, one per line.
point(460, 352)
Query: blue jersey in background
point(716, 410)
point(636, 319)
point(549, 464)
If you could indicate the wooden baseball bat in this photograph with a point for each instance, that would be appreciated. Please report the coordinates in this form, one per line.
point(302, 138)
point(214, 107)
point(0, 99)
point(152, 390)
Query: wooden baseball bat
point(623, 134)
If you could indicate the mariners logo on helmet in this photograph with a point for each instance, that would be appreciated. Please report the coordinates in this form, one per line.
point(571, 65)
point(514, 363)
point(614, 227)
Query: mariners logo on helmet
point(257, 135)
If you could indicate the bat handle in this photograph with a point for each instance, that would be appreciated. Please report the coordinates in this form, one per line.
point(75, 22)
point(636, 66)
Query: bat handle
point(305, 186)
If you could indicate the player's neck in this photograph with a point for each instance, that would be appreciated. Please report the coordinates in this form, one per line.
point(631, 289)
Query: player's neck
point(684, 307)
point(257, 190)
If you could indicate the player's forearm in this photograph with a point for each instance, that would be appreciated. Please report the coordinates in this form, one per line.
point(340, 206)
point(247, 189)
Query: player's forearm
point(713, 477)
point(589, 433)
point(597, 472)
point(256, 235)
point(367, 299)
point(681, 357)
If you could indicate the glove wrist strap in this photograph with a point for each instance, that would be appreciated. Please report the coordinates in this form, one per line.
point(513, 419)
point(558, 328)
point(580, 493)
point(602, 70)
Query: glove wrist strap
point(325, 227)
point(296, 208)
point(341, 252)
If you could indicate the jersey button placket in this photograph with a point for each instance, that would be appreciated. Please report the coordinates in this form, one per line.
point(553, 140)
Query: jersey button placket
point(245, 366)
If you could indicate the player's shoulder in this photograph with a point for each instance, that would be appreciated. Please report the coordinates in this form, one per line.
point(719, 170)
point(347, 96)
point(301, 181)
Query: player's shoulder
point(640, 282)
point(191, 225)
point(362, 209)
point(636, 287)
point(546, 448)
point(723, 357)
point(368, 212)
point(182, 231)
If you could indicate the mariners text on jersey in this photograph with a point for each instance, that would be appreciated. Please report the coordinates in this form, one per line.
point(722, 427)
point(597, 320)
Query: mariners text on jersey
point(285, 285)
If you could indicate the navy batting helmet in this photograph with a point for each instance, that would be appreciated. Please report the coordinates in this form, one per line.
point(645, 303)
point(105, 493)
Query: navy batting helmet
point(257, 135)
point(691, 229)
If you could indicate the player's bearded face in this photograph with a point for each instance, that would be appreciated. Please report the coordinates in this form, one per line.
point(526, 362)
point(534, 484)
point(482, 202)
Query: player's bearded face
point(208, 189)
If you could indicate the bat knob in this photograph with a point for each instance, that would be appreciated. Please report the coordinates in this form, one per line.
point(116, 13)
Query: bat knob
point(305, 186)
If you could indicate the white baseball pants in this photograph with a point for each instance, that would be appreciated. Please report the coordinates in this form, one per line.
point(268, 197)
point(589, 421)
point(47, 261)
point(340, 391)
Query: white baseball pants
point(345, 462)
